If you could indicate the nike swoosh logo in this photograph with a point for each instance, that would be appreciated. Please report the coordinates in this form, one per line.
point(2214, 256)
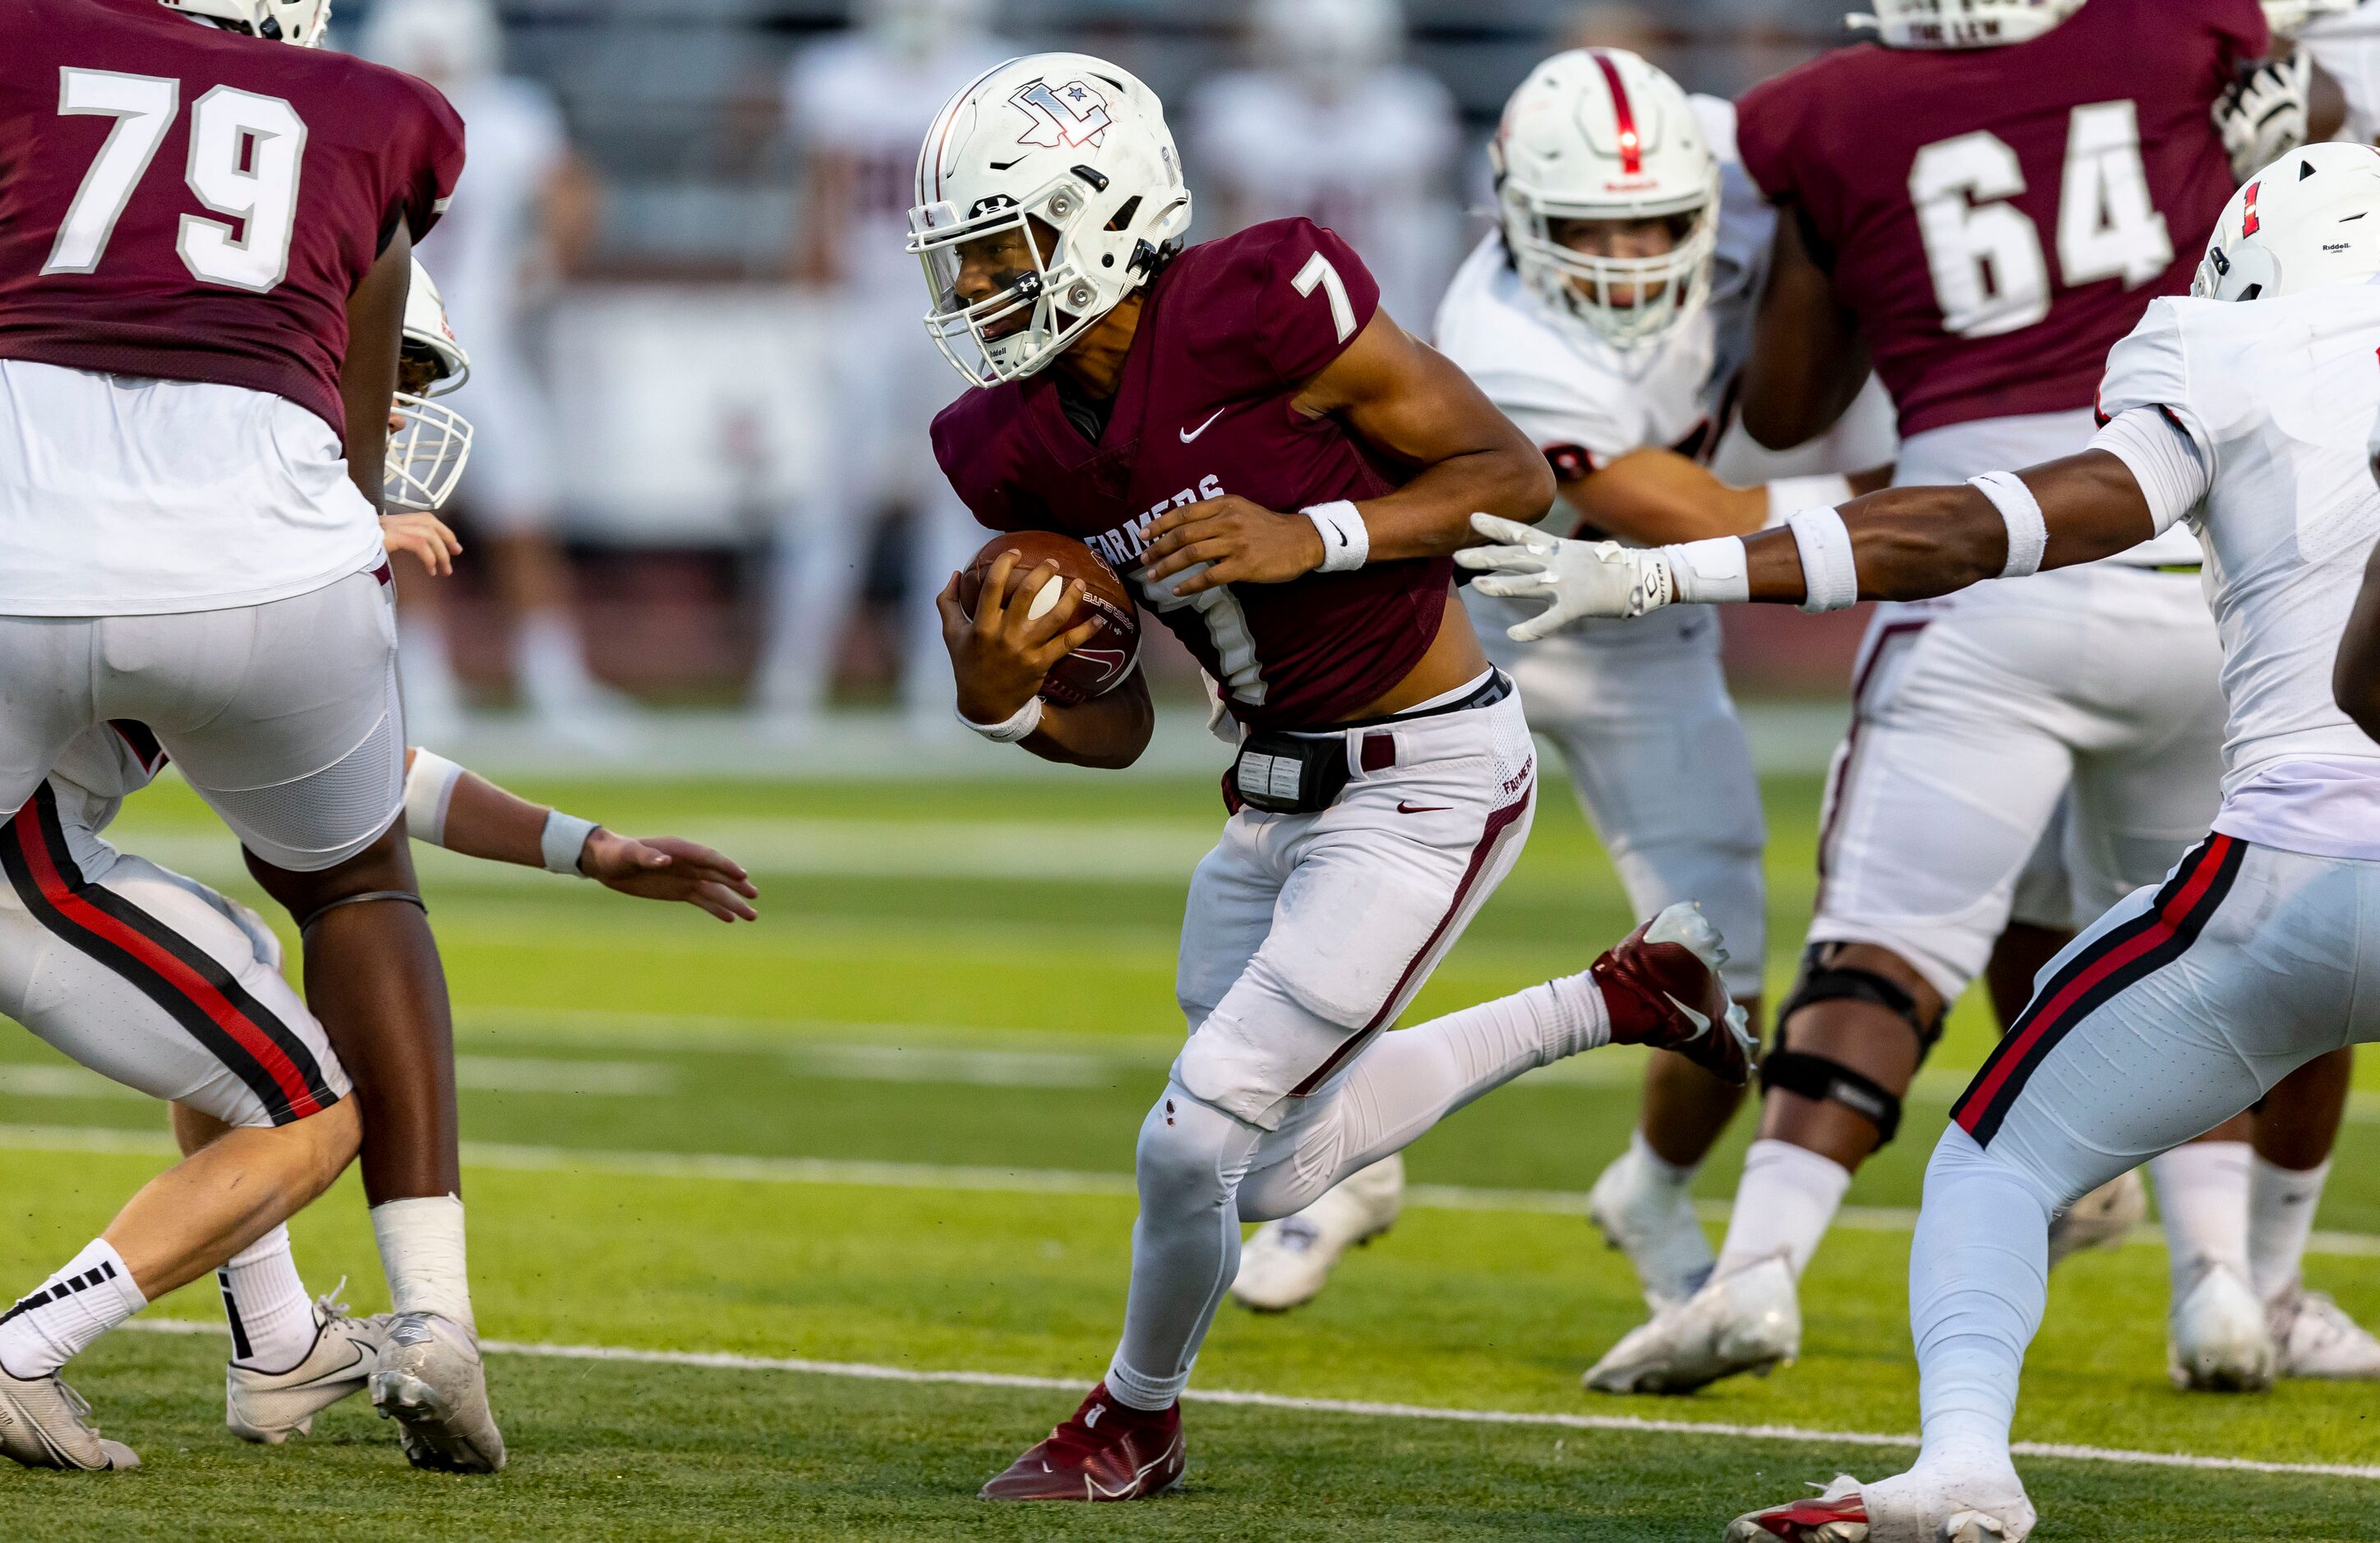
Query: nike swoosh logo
point(1189, 434)
point(1701, 1021)
point(1404, 808)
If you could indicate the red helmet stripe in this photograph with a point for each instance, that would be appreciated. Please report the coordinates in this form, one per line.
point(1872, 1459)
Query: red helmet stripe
point(1632, 150)
point(2250, 224)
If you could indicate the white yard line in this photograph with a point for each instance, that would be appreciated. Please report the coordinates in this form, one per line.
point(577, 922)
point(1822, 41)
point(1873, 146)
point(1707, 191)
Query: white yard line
point(978, 1177)
point(1366, 1408)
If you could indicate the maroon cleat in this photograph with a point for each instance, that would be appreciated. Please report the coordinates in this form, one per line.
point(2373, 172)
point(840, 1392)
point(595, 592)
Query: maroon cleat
point(1662, 989)
point(1105, 1452)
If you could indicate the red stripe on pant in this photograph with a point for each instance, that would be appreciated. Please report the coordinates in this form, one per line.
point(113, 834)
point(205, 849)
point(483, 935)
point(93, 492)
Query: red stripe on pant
point(42, 864)
point(1499, 821)
point(2172, 913)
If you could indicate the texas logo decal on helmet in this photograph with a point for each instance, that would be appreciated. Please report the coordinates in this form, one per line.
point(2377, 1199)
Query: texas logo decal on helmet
point(1065, 117)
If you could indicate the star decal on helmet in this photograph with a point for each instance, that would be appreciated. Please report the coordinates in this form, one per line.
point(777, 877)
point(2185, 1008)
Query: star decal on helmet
point(1062, 118)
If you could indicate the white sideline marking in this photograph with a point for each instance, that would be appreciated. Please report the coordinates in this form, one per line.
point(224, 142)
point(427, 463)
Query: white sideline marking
point(986, 1178)
point(862, 1371)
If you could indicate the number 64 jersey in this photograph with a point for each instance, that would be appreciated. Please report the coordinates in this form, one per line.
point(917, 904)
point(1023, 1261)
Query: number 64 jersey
point(1998, 218)
point(186, 211)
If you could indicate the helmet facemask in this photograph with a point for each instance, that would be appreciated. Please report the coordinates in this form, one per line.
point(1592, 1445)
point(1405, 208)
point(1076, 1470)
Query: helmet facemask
point(1661, 292)
point(429, 443)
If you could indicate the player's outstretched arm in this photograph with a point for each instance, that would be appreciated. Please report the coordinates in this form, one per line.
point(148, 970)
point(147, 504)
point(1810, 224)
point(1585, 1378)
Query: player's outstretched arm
point(1410, 405)
point(464, 812)
point(1003, 655)
point(1807, 361)
point(368, 374)
point(1903, 543)
point(2355, 678)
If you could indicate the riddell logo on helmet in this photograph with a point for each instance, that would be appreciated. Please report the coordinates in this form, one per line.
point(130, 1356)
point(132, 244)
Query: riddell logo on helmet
point(1065, 117)
point(1630, 184)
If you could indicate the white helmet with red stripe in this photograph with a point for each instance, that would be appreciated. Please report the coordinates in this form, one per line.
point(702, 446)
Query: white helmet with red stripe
point(1597, 134)
point(1049, 188)
point(1963, 23)
point(2310, 219)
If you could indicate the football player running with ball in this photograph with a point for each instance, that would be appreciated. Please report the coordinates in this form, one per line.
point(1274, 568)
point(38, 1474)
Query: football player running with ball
point(1283, 473)
point(2244, 413)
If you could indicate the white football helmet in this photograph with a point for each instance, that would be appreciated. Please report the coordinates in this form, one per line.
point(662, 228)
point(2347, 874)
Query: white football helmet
point(302, 22)
point(1063, 145)
point(446, 42)
point(429, 443)
point(2288, 18)
point(2305, 221)
point(1333, 45)
point(1600, 134)
point(1963, 23)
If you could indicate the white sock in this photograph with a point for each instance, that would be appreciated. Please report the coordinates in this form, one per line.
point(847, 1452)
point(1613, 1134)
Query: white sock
point(272, 1317)
point(1978, 1280)
point(553, 663)
point(1784, 1203)
point(1650, 1168)
point(51, 1324)
point(2202, 1191)
point(421, 1252)
point(2281, 1203)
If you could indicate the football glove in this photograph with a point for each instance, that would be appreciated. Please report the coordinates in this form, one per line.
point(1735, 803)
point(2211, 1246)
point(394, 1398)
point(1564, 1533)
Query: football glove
point(1577, 580)
point(2261, 115)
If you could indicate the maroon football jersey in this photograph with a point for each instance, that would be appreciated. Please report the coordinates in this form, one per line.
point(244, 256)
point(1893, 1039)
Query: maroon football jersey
point(1999, 218)
point(1230, 334)
point(187, 204)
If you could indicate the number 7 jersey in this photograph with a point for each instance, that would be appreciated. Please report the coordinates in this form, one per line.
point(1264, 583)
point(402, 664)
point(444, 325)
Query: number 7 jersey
point(1998, 218)
point(185, 203)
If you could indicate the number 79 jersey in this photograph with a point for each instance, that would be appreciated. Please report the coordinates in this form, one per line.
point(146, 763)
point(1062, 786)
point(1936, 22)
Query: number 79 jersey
point(1998, 218)
point(185, 203)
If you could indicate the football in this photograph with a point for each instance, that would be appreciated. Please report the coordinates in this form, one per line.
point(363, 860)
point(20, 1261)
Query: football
point(1103, 661)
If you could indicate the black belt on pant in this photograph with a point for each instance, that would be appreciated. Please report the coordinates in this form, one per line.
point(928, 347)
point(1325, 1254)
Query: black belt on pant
point(1305, 771)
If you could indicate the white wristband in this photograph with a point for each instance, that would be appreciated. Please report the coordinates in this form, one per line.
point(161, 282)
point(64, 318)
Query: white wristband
point(1016, 726)
point(429, 788)
point(1789, 497)
point(564, 838)
point(1707, 573)
point(2028, 533)
point(1829, 573)
point(1346, 541)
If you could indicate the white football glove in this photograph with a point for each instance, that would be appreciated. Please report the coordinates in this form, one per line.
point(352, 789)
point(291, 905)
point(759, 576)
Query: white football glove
point(2261, 115)
point(1576, 580)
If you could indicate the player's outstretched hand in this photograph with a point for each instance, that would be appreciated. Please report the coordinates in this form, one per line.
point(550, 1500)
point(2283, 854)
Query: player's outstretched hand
point(664, 868)
point(426, 537)
point(1003, 653)
point(1246, 544)
point(1575, 579)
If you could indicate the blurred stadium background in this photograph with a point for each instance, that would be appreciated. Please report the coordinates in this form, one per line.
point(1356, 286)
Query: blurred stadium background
point(667, 302)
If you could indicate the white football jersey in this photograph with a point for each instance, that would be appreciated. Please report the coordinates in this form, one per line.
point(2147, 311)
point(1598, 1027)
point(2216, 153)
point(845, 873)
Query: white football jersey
point(1373, 165)
point(2279, 399)
point(855, 97)
point(480, 252)
point(2347, 48)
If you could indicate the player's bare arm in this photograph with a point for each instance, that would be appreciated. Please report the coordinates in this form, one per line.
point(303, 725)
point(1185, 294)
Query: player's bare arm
point(1410, 405)
point(1003, 654)
point(2355, 677)
point(368, 375)
point(477, 818)
point(1807, 360)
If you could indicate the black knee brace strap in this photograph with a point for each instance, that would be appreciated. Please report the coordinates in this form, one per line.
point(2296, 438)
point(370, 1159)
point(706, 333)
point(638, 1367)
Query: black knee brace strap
point(1824, 982)
point(1829, 1081)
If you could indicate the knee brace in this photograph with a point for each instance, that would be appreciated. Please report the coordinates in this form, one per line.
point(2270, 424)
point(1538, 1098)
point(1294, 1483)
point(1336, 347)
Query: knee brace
point(1829, 1081)
point(1825, 983)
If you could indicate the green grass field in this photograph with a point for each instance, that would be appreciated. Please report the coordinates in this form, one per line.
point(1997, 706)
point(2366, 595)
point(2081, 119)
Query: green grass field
point(891, 1129)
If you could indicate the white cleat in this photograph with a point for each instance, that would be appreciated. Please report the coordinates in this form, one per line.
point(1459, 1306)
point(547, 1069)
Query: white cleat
point(1654, 1225)
point(2317, 1340)
point(1285, 1264)
point(271, 1407)
point(1749, 1320)
point(431, 1381)
point(2103, 1218)
point(46, 1424)
point(1903, 1510)
point(2219, 1339)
